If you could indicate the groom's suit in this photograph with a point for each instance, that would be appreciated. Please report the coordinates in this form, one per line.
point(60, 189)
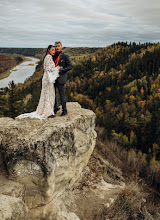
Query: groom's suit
point(65, 62)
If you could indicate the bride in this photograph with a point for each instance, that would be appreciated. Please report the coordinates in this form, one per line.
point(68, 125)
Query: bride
point(47, 98)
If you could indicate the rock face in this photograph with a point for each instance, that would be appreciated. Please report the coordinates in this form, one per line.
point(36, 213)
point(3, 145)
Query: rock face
point(12, 208)
point(45, 157)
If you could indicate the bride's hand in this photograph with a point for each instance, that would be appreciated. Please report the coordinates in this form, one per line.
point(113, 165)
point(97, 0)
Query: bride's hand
point(59, 67)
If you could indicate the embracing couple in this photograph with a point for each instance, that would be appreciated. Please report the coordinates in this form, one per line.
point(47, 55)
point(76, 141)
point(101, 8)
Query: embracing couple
point(56, 64)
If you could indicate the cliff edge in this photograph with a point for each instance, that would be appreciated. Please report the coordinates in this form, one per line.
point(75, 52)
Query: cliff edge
point(41, 159)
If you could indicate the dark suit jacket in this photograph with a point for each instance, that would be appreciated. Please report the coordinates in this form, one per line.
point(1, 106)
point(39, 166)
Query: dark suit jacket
point(66, 63)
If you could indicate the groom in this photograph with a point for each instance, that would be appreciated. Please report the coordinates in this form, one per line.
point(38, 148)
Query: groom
point(61, 59)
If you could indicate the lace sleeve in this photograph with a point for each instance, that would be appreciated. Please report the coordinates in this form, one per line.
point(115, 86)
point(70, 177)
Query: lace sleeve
point(48, 63)
point(49, 67)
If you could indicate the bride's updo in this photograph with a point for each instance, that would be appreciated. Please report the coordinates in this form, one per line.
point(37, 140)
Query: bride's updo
point(49, 47)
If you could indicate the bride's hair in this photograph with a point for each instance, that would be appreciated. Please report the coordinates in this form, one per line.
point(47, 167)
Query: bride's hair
point(49, 47)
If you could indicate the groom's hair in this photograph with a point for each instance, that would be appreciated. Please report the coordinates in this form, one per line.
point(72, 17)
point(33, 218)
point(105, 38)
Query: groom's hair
point(58, 42)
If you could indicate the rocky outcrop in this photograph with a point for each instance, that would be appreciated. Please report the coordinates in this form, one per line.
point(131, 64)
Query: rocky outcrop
point(44, 158)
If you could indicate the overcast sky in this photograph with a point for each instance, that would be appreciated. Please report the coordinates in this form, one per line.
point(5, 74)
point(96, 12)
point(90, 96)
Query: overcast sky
point(77, 23)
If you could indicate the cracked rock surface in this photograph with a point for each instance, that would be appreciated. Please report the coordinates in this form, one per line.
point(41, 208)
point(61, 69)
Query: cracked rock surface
point(41, 159)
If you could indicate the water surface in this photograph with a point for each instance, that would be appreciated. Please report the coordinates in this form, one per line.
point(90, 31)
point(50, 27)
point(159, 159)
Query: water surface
point(20, 72)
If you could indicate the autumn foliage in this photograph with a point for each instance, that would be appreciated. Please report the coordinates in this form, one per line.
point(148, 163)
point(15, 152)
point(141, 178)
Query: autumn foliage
point(121, 83)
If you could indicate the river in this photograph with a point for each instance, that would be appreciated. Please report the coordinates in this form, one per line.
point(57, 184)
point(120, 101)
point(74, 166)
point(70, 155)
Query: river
point(20, 72)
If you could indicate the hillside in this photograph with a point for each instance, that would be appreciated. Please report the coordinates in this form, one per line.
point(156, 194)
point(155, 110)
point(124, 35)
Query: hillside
point(35, 52)
point(121, 84)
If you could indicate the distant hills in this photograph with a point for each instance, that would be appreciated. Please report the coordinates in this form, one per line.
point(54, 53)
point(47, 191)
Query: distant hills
point(40, 52)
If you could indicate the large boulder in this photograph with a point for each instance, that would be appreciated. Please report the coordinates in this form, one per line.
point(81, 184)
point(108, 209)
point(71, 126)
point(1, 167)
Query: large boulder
point(47, 156)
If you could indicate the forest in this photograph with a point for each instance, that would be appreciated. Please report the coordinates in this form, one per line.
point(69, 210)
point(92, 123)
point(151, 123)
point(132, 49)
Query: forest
point(120, 83)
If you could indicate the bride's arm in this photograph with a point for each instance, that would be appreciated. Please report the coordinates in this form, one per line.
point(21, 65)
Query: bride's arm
point(48, 63)
point(53, 72)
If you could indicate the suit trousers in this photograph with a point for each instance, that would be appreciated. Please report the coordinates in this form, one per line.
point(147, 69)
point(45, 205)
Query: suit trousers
point(60, 88)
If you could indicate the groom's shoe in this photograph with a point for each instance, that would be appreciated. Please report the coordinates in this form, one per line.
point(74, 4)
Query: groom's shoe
point(56, 110)
point(64, 113)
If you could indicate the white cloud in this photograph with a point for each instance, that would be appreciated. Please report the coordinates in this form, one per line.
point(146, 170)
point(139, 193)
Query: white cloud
point(92, 23)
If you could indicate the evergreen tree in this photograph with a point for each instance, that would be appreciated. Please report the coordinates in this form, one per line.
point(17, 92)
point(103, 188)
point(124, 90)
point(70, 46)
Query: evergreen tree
point(15, 105)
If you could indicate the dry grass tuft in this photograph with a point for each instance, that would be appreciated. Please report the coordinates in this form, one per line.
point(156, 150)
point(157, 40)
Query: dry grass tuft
point(131, 204)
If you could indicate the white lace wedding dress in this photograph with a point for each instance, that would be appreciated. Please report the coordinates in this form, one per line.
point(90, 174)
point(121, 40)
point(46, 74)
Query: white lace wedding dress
point(47, 98)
